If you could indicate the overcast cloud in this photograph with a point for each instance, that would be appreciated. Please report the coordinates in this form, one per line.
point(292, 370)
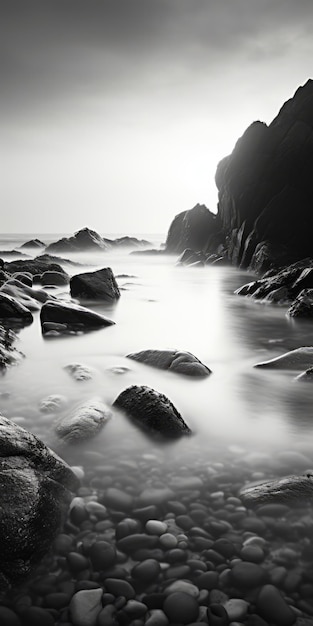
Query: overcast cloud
point(114, 113)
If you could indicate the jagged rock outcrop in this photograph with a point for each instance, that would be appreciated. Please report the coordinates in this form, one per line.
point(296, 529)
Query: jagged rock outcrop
point(196, 228)
point(98, 285)
point(33, 243)
point(265, 188)
point(84, 239)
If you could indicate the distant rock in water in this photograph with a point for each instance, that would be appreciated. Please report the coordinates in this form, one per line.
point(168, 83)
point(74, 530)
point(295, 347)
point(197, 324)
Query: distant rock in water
point(265, 188)
point(99, 285)
point(35, 488)
point(15, 253)
point(152, 411)
point(196, 228)
point(130, 242)
point(33, 243)
point(73, 315)
point(84, 239)
point(172, 360)
point(281, 490)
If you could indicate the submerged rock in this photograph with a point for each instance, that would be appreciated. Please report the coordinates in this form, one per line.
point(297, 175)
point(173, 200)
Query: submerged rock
point(99, 285)
point(52, 403)
point(84, 422)
point(79, 371)
point(173, 360)
point(19, 294)
point(284, 490)
point(152, 411)
point(33, 266)
point(35, 489)
point(300, 358)
point(74, 316)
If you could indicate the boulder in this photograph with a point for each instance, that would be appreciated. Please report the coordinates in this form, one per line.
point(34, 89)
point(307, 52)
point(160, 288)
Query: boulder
point(196, 228)
point(99, 285)
point(130, 242)
point(172, 360)
point(24, 277)
point(19, 295)
point(32, 266)
point(300, 358)
point(10, 308)
point(21, 289)
point(79, 372)
point(265, 191)
point(33, 243)
point(35, 487)
point(306, 376)
point(84, 422)
point(302, 306)
point(75, 317)
point(84, 239)
point(285, 490)
point(9, 355)
point(152, 411)
point(54, 278)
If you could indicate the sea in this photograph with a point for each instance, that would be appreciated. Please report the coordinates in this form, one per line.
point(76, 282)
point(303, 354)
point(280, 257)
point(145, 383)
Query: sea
point(248, 423)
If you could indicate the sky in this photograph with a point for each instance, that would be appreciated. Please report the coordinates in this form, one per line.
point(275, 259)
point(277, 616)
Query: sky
point(115, 113)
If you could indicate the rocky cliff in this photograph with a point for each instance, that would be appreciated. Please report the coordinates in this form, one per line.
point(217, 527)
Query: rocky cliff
point(265, 188)
point(196, 229)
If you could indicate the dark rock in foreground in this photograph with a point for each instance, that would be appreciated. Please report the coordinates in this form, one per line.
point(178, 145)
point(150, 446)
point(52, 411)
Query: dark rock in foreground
point(301, 358)
point(10, 308)
point(285, 490)
point(302, 307)
point(152, 411)
point(72, 315)
point(35, 489)
point(9, 355)
point(100, 285)
point(84, 422)
point(173, 360)
point(33, 243)
point(196, 228)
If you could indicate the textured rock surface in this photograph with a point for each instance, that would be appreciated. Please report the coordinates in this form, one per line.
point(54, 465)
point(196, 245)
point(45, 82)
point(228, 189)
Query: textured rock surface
point(152, 411)
point(84, 422)
point(194, 229)
point(265, 190)
point(172, 360)
point(10, 308)
point(34, 487)
point(9, 355)
point(33, 266)
point(298, 359)
point(99, 285)
point(285, 490)
point(72, 315)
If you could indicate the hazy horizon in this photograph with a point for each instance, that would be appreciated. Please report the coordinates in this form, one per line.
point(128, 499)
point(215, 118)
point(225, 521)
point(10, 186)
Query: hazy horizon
point(115, 113)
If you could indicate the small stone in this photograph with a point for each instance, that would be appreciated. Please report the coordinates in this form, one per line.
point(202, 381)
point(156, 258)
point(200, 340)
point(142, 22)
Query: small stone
point(186, 483)
point(155, 527)
point(252, 553)
point(85, 606)
point(135, 609)
point(146, 571)
point(245, 575)
point(137, 541)
point(106, 617)
point(155, 496)
point(156, 617)
point(236, 609)
point(168, 541)
point(120, 588)
point(184, 521)
point(102, 555)
point(181, 608)
point(8, 617)
point(118, 499)
point(273, 608)
point(208, 580)
point(184, 587)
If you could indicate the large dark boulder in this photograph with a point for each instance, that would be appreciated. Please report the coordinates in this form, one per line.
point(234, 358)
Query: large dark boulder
point(84, 239)
point(265, 188)
point(196, 228)
point(99, 285)
point(12, 309)
point(152, 411)
point(35, 488)
point(173, 360)
point(72, 316)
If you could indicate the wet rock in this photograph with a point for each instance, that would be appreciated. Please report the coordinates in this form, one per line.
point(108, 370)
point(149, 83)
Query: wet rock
point(9, 355)
point(84, 422)
point(152, 411)
point(85, 607)
point(20, 296)
point(80, 372)
point(10, 308)
point(181, 608)
point(302, 307)
point(102, 555)
point(245, 575)
point(172, 360)
point(300, 358)
point(281, 490)
point(191, 229)
point(147, 571)
point(306, 376)
point(99, 285)
point(119, 588)
point(74, 316)
point(35, 489)
point(21, 289)
point(182, 586)
point(54, 278)
point(236, 609)
point(273, 607)
point(156, 527)
point(24, 277)
point(33, 266)
point(52, 403)
point(137, 541)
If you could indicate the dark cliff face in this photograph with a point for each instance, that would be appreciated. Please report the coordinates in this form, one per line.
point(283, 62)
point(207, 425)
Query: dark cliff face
point(196, 228)
point(266, 191)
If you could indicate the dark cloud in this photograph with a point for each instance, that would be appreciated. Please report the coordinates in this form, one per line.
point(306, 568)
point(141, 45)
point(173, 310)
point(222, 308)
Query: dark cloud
point(50, 49)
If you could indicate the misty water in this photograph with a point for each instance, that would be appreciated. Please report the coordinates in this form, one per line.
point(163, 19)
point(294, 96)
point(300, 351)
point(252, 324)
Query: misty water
point(248, 424)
